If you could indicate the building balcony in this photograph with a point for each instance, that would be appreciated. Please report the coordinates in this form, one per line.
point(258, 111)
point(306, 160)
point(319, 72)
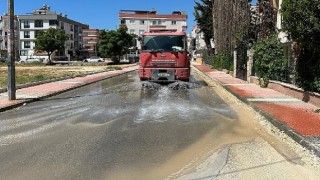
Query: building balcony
point(158, 27)
point(122, 25)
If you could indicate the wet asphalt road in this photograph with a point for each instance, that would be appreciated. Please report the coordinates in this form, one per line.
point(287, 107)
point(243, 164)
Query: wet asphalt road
point(115, 129)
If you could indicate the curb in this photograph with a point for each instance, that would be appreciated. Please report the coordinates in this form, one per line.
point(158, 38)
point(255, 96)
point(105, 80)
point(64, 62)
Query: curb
point(303, 141)
point(61, 91)
point(2, 90)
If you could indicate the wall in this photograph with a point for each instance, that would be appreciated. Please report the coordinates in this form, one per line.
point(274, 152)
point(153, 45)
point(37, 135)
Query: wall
point(291, 90)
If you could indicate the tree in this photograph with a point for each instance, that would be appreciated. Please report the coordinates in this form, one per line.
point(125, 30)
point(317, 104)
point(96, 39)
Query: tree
point(204, 18)
point(301, 20)
point(231, 22)
point(51, 40)
point(115, 43)
point(267, 16)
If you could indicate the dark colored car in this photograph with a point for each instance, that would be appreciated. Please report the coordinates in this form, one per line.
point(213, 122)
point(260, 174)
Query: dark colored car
point(60, 58)
point(3, 59)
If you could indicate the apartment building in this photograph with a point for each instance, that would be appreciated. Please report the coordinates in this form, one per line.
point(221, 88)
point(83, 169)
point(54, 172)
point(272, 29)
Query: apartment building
point(90, 41)
point(138, 22)
point(198, 36)
point(41, 19)
point(4, 29)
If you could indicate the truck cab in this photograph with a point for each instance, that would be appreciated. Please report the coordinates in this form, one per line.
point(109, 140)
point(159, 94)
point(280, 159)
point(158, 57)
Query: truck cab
point(164, 56)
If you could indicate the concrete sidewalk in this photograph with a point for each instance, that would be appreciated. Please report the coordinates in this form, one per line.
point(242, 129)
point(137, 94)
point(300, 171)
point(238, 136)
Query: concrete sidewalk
point(32, 93)
point(292, 116)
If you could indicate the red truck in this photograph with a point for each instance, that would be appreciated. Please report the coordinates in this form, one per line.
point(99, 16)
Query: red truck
point(164, 56)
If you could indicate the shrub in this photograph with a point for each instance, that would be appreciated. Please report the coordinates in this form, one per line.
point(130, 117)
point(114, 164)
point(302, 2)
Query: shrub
point(269, 61)
point(220, 61)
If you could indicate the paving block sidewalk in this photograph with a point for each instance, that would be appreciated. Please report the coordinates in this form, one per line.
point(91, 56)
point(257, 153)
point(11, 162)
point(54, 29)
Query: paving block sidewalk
point(29, 94)
point(294, 117)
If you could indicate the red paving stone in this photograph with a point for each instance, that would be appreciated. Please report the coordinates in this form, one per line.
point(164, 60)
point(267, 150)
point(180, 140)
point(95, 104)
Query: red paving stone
point(217, 74)
point(5, 102)
point(298, 116)
point(204, 68)
point(45, 89)
point(231, 81)
point(89, 79)
point(54, 87)
point(254, 91)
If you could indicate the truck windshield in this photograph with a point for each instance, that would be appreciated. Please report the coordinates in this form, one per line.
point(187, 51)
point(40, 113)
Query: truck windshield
point(163, 43)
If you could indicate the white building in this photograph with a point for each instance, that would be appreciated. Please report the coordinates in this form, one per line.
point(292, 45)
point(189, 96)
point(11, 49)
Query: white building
point(43, 19)
point(199, 38)
point(283, 36)
point(138, 22)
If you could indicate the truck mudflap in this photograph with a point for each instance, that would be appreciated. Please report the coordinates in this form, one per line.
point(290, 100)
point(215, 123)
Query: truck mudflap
point(162, 75)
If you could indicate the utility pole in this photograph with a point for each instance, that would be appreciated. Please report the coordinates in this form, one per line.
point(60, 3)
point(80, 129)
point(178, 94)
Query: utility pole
point(11, 53)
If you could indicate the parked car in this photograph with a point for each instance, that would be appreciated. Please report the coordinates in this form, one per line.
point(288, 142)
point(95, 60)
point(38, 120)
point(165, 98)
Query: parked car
point(94, 59)
point(31, 60)
point(3, 59)
point(60, 58)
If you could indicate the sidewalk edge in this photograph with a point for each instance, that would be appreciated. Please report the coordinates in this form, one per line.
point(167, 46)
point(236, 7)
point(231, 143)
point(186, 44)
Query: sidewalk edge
point(275, 122)
point(6, 108)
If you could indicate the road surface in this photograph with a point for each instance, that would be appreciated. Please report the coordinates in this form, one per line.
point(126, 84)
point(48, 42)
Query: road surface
point(121, 129)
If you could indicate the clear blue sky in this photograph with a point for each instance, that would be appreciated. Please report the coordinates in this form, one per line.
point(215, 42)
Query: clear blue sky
point(102, 14)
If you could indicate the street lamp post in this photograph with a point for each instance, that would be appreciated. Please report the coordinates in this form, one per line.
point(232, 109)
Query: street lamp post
point(11, 54)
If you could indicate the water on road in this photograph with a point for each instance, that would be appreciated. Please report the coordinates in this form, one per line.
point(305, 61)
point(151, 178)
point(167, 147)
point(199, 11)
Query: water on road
point(121, 128)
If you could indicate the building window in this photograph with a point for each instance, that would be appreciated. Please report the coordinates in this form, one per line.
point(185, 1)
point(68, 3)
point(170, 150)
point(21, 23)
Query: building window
point(36, 33)
point(23, 53)
point(38, 23)
point(71, 27)
point(161, 22)
point(62, 25)
point(131, 31)
point(141, 32)
point(26, 24)
point(53, 22)
point(173, 22)
point(142, 22)
point(123, 21)
point(132, 21)
point(26, 34)
point(153, 22)
point(27, 44)
point(71, 36)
